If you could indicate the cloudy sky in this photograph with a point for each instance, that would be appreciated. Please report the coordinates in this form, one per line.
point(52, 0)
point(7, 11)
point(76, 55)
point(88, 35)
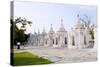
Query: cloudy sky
point(43, 15)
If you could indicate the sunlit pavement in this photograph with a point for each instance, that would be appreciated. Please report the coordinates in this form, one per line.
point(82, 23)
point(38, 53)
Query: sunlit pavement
point(62, 55)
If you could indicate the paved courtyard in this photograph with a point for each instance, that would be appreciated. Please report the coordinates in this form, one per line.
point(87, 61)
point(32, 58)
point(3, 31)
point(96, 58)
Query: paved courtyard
point(62, 55)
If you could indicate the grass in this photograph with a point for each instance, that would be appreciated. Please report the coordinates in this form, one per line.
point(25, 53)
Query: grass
point(26, 58)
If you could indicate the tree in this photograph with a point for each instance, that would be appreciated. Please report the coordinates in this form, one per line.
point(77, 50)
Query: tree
point(23, 22)
point(19, 33)
point(87, 23)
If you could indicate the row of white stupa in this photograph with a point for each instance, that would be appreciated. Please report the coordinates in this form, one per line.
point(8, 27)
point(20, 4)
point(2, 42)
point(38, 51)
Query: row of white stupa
point(78, 37)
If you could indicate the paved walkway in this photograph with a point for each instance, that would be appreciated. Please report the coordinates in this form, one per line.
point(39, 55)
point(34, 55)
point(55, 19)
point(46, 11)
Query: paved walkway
point(62, 55)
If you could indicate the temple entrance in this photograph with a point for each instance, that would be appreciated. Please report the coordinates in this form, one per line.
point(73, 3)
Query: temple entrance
point(53, 41)
point(65, 41)
point(73, 41)
point(56, 41)
point(85, 40)
point(46, 42)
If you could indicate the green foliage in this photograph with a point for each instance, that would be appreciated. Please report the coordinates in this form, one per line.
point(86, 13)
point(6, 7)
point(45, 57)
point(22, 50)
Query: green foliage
point(22, 21)
point(19, 33)
point(26, 58)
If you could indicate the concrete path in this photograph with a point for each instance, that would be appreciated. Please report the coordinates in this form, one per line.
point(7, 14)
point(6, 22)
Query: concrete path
point(62, 55)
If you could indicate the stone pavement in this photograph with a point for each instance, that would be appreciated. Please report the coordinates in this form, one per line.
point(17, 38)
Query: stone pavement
point(62, 55)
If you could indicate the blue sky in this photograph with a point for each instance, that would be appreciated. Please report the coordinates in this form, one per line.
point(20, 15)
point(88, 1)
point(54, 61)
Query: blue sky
point(43, 15)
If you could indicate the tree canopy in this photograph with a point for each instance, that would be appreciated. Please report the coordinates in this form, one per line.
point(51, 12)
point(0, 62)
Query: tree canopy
point(19, 33)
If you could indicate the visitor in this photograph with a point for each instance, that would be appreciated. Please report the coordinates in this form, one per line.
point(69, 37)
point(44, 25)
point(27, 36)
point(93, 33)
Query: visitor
point(18, 45)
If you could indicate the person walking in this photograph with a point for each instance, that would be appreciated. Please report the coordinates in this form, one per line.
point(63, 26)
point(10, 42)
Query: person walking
point(18, 45)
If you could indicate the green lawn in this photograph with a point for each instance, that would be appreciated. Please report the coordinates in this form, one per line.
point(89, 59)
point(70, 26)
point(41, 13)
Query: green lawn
point(26, 58)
